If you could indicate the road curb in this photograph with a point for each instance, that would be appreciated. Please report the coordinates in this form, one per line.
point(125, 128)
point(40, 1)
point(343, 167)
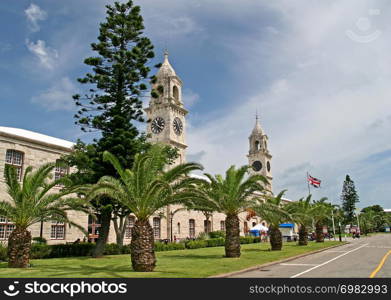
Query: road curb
point(276, 262)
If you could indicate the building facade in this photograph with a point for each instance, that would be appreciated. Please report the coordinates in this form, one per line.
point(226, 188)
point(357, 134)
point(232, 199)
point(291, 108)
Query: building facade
point(167, 116)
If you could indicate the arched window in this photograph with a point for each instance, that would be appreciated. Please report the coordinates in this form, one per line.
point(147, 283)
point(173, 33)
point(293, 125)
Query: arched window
point(256, 145)
point(192, 228)
point(175, 93)
point(156, 228)
point(129, 226)
point(207, 226)
point(263, 224)
point(15, 158)
point(222, 225)
point(178, 226)
point(254, 223)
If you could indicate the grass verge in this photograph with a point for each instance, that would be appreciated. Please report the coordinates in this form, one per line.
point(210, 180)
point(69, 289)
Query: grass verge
point(195, 263)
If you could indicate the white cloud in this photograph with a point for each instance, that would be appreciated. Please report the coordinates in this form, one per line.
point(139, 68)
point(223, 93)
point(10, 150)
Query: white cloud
point(35, 14)
point(320, 110)
point(190, 98)
point(58, 96)
point(47, 56)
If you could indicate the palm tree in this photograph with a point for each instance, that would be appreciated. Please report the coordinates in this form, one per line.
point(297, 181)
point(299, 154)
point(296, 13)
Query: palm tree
point(231, 196)
point(300, 212)
point(274, 214)
point(31, 202)
point(321, 212)
point(144, 190)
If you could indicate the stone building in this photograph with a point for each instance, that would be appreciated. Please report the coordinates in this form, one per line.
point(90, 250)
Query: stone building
point(167, 115)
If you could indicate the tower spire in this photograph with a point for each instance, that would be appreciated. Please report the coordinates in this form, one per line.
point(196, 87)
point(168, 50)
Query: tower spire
point(257, 128)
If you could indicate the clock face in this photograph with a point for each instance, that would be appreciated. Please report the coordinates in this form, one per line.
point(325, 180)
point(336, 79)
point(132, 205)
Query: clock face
point(157, 125)
point(257, 166)
point(177, 125)
point(268, 166)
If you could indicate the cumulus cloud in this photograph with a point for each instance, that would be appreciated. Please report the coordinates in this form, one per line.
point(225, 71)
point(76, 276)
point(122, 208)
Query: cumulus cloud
point(58, 96)
point(35, 14)
point(320, 112)
point(47, 56)
point(190, 98)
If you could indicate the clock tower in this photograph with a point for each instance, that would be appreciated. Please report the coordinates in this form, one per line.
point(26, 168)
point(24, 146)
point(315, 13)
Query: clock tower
point(259, 157)
point(166, 113)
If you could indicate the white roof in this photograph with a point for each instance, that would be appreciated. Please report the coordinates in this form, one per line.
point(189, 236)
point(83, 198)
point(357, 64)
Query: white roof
point(387, 210)
point(286, 199)
point(27, 134)
point(199, 176)
point(259, 227)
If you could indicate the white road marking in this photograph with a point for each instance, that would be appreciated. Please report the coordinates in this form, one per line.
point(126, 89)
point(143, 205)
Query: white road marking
point(298, 264)
point(339, 251)
point(379, 247)
point(329, 261)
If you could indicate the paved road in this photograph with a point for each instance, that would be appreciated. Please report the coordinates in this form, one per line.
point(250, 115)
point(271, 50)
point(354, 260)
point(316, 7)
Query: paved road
point(357, 259)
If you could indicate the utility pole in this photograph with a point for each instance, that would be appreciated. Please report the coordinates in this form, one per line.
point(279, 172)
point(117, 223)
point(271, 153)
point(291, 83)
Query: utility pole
point(358, 222)
point(332, 218)
point(340, 233)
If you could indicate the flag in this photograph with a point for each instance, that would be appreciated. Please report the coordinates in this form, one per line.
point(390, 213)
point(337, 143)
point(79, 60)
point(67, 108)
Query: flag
point(315, 182)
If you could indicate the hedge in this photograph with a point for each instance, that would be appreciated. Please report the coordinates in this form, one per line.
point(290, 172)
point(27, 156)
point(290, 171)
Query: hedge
point(169, 246)
point(39, 251)
point(215, 242)
point(196, 244)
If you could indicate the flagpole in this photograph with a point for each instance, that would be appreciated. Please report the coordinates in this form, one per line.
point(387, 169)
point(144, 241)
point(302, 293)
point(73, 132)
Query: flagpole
point(308, 184)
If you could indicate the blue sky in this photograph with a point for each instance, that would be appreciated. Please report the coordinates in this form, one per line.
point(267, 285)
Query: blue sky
point(317, 71)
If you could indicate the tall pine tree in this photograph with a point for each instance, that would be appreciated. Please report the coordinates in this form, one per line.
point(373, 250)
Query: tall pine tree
point(112, 102)
point(349, 198)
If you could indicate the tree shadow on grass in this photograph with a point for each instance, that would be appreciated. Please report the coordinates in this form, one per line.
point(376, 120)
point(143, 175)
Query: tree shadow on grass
point(194, 256)
point(256, 250)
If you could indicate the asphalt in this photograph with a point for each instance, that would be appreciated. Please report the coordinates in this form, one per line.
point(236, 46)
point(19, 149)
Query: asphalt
point(358, 259)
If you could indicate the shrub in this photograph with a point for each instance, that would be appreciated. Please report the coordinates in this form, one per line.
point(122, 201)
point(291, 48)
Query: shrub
point(111, 249)
point(3, 252)
point(169, 246)
point(215, 242)
point(66, 250)
point(217, 234)
point(39, 240)
point(202, 236)
point(250, 239)
point(40, 250)
point(196, 244)
point(125, 249)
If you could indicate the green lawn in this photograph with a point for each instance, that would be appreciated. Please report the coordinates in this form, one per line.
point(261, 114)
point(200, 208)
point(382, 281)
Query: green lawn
point(180, 263)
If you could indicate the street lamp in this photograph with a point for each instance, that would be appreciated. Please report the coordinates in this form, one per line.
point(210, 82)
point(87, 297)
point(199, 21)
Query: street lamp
point(358, 221)
point(340, 233)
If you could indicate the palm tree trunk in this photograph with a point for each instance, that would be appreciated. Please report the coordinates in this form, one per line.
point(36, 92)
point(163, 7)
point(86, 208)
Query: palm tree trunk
point(275, 237)
point(103, 232)
point(142, 247)
point(303, 235)
point(232, 236)
point(319, 232)
point(19, 245)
